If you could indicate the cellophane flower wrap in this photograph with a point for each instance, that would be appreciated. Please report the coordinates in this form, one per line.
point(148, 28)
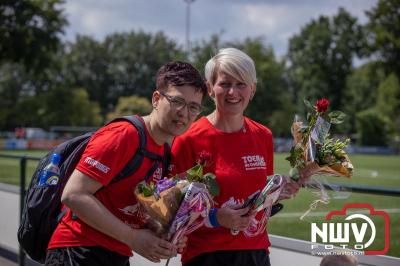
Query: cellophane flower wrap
point(315, 153)
point(179, 205)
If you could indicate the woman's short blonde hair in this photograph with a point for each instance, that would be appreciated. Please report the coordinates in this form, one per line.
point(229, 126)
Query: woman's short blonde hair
point(233, 62)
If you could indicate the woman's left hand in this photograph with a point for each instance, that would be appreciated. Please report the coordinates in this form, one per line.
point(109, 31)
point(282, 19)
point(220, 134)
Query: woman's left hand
point(290, 189)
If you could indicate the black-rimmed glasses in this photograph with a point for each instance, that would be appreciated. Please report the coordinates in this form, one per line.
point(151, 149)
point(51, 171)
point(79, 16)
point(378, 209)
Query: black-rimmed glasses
point(179, 103)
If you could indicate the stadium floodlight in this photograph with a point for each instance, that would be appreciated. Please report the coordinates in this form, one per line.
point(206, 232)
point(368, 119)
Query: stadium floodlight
point(188, 2)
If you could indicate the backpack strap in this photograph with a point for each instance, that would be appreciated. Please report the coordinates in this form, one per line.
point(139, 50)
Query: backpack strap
point(137, 159)
point(166, 159)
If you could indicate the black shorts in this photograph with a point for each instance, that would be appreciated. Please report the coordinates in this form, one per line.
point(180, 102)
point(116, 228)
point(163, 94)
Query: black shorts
point(71, 256)
point(231, 258)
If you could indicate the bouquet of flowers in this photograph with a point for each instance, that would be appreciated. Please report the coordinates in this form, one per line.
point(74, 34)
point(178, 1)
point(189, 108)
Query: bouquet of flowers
point(314, 152)
point(179, 205)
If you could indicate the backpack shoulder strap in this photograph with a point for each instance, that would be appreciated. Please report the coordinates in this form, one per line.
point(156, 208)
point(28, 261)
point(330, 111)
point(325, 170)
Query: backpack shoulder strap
point(141, 152)
point(166, 159)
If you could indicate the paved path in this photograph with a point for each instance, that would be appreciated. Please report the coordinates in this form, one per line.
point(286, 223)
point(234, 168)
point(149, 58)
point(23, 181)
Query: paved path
point(5, 262)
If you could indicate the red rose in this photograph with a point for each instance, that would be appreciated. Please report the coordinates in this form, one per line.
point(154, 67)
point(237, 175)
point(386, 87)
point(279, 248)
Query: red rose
point(204, 158)
point(322, 105)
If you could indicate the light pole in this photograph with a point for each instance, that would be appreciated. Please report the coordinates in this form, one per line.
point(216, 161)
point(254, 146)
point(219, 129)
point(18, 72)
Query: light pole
point(188, 2)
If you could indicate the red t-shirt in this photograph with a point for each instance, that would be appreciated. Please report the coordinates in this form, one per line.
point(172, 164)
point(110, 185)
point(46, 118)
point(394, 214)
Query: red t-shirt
point(241, 162)
point(107, 152)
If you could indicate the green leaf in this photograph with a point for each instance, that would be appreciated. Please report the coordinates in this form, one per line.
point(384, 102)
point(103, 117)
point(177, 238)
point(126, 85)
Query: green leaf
point(308, 105)
point(148, 190)
point(195, 172)
point(326, 117)
point(337, 117)
point(209, 176)
point(213, 186)
point(294, 174)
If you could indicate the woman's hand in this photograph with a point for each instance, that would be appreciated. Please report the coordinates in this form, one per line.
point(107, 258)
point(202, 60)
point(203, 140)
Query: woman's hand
point(290, 189)
point(235, 219)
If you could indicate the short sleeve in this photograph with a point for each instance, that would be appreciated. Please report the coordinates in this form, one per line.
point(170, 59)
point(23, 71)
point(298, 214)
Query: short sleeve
point(108, 151)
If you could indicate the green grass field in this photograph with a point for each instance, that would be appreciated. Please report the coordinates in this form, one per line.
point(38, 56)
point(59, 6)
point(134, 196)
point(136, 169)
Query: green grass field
point(383, 171)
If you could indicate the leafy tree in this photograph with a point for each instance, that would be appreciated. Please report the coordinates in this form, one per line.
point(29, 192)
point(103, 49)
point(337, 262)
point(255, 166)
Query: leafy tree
point(361, 91)
point(29, 31)
point(17, 84)
point(321, 56)
point(60, 106)
point(372, 128)
point(388, 101)
point(123, 64)
point(131, 105)
point(384, 29)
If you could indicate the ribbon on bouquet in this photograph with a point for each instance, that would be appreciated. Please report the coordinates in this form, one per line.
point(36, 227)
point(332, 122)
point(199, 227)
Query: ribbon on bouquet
point(192, 212)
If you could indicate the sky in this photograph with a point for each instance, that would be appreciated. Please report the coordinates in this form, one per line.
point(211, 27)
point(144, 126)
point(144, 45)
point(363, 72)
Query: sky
point(273, 20)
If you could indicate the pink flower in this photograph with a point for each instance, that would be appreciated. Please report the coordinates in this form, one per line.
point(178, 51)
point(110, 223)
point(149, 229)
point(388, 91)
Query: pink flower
point(204, 158)
point(322, 105)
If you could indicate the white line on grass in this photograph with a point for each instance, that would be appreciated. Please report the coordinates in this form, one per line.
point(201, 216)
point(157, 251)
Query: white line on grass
point(322, 214)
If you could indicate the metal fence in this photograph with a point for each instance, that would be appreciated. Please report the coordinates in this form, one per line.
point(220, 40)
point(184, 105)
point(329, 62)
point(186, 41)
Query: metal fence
point(23, 159)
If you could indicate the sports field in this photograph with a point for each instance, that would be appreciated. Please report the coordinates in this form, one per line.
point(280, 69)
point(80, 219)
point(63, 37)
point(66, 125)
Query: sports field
point(382, 171)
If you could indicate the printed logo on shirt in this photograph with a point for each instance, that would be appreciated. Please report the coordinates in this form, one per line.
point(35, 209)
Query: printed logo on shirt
point(97, 164)
point(254, 162)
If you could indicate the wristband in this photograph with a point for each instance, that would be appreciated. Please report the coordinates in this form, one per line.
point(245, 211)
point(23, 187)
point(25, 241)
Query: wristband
point(213, 217)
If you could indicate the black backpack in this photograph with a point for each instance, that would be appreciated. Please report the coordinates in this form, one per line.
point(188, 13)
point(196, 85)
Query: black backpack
point(42, 211)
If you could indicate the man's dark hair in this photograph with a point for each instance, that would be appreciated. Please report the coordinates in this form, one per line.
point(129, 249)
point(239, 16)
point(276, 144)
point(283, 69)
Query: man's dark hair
point(177, 73)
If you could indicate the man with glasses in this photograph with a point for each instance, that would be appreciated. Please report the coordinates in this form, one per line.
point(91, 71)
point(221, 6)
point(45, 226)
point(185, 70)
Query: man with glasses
point(103, 226)
point(179, 103)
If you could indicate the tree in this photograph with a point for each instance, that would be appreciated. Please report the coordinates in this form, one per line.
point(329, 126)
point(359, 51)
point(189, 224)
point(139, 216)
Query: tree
point(131, 105)
point(29, 31)
point(372, 128)
point(123, 64)
point(384, 33)
point(321, 56)
point(60, 106)
point(361, 91)
point(388, 101)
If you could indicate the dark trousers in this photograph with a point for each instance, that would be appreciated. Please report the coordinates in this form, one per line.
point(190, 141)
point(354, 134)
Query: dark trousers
point(231, 258)
point(90, 256)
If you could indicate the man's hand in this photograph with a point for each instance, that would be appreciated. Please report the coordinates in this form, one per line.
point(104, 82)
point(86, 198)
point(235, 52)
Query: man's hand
point(147, 244)
point(182, 242)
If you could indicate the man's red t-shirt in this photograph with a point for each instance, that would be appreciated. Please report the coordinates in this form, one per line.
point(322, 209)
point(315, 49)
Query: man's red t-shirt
point(241, 162)
point(107, 152)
